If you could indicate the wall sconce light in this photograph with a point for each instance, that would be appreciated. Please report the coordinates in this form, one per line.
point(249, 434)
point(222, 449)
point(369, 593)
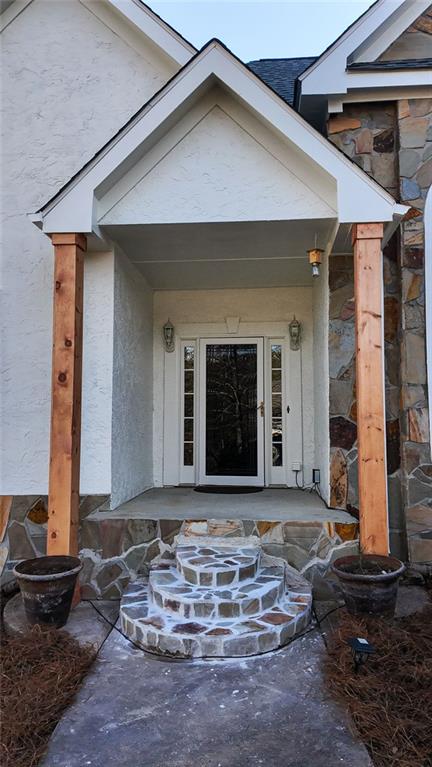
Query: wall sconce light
point(360, 649)
point(295, 334)
point(315, 259)
point(168, 335)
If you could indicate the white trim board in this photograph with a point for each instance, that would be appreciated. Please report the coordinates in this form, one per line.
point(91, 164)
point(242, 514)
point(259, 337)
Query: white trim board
point(366, 96)
point(293, 423)
point(14, 10)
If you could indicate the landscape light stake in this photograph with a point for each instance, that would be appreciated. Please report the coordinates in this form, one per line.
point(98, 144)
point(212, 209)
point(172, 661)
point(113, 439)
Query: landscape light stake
point(360, 649)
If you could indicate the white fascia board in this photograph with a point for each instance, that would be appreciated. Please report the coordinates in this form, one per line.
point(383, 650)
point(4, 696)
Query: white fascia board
point(367, 95)
point(160, 33)
point(359, 198)
point(12, 12)
point(331, 67)
point(389, 78)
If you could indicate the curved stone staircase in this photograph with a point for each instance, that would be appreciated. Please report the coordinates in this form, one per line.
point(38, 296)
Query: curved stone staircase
point(221, 598)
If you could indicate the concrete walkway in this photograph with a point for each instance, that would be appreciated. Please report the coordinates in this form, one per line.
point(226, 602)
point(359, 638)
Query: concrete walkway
point(137, 711)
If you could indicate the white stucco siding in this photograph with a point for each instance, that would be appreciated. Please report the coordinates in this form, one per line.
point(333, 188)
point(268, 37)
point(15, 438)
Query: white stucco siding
point(203, 312)
point(218, 172)
point(132, 409)
point(69, 83)
point(97, 373)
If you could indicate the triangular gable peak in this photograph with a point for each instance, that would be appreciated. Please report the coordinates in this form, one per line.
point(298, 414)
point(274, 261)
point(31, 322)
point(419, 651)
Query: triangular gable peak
point(413, 44)
point(361, 62)
point(292, 155)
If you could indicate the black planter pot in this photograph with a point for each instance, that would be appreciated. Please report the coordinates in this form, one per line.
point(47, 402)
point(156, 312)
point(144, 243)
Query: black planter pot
point(47, 586)
point(364, 592)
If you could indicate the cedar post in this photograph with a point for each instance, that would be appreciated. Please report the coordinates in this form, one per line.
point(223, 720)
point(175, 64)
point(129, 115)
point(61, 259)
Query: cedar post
point(64, 468)
point(372, 471)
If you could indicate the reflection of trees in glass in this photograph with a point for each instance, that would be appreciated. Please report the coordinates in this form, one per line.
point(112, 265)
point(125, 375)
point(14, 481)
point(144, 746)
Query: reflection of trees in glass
point(231, 421)
point(276, 382)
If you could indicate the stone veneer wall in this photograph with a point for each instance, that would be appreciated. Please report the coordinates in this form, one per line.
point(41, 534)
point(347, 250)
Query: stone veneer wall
point(415, 164)
point(26, 533)
point(115, 551)
point(391, 142)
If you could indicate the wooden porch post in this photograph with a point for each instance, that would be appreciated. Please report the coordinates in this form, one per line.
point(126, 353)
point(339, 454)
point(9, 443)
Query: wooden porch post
point(64, 469)
point(372, 474)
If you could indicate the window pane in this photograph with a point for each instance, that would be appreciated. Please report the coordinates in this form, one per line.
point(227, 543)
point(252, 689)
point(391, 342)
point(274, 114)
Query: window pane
point(188, 406)
point(277, 454)
point(188, 429)
point(277, 430)
point(277, 380)
point(276, 356)
point(231, 409)
point(277, 406)
point(189, 381)
point(189, 357)
point(188, 454)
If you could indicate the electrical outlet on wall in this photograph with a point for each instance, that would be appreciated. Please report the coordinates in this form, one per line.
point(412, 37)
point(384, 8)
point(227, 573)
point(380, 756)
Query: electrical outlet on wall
point(296, 466)
point(316, 476)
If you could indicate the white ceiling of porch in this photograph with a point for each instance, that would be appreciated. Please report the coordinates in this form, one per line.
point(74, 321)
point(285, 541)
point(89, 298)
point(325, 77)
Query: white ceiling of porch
point(223, 255)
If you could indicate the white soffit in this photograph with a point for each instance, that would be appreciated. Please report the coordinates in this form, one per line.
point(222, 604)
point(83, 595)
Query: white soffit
point(359, 198)
point(364, 42)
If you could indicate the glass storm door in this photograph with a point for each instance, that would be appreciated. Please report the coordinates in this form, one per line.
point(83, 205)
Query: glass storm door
point(231, 412)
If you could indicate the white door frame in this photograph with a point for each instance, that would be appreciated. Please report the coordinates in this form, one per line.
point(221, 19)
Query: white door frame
point(205, 479)
point(169, 408)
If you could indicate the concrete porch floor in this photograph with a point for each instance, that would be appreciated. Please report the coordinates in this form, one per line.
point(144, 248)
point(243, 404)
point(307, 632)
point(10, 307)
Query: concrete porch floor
point(272, 504)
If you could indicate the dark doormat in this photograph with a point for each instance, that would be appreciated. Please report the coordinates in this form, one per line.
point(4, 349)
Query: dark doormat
point(228, 489)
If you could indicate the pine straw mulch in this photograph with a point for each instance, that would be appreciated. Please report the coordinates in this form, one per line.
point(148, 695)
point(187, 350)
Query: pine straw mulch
point(40, 674)
point(390, 698)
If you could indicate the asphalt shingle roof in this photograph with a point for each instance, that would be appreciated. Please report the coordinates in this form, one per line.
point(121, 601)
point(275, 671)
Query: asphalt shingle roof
point(281, 74)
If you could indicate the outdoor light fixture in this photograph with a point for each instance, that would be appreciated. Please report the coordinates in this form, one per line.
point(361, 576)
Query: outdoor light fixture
point(168, 334)
point(360, 649)
point(295, 334)
point(315, 259)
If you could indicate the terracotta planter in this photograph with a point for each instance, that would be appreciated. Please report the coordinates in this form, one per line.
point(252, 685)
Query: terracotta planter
point(47, 587)
point(372, 593)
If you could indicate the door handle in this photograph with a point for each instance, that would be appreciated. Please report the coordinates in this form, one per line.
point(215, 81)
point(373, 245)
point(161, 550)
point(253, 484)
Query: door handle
point(261, 408)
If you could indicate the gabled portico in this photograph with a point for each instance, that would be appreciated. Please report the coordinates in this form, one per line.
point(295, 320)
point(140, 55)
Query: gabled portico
point(217, 185)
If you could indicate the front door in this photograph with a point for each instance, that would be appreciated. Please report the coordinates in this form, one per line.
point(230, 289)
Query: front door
point(231, 412)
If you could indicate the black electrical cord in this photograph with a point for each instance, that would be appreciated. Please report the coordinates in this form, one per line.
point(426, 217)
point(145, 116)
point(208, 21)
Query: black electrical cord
point(319, 621)
point(313, 488)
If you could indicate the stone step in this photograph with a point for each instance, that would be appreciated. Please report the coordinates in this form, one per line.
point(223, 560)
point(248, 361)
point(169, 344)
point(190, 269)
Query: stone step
point(169, 592)
point(215, 566)
point(162, 632)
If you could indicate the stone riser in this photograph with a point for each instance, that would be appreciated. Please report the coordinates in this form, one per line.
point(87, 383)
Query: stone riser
point(163, 634)
point(248, 598)
point(215, 567)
